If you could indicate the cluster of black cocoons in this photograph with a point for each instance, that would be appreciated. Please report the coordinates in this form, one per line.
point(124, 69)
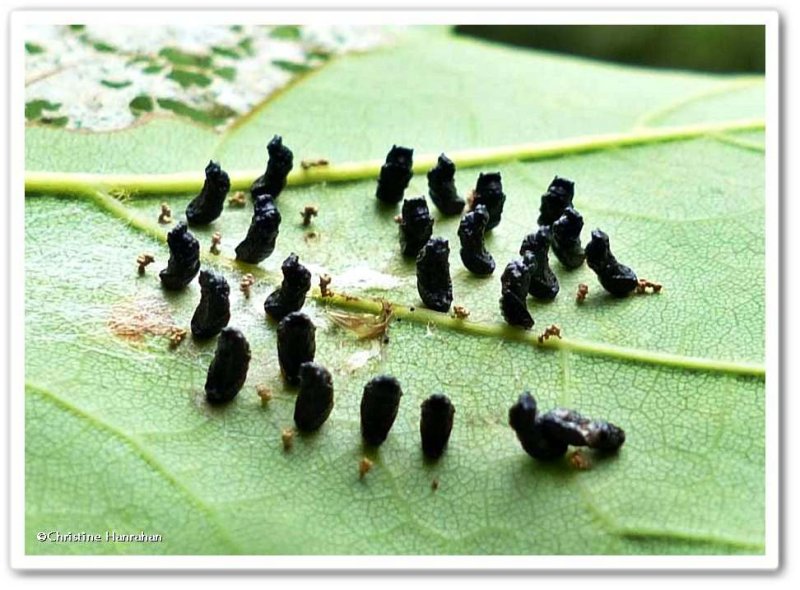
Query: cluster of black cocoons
point(291, 295)
point(207, 205)
point(259, 244)
point(184, 259)
point(416, 226)
point(546, 437)
point(279, 164)
point(214, 310)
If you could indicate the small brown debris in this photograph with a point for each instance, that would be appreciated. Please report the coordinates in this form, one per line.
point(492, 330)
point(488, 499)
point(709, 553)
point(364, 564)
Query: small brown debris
point(549, 332)
point(644, 284)
point(471, 199)
point(583, 291)
point(166, 214)
point(579, 461)
point(308, 212)
point(398, 219)
point(247, 281)
point(364, 467)
point(237, 199)
point(176, 336)
point(143, 260)
point(311, 236)
point(216, 240)
point(287, 438)
point(265, 393)
point(435, 484)
point(460, 312)
point(306, 164)
point(364, 325)
point(324, 282)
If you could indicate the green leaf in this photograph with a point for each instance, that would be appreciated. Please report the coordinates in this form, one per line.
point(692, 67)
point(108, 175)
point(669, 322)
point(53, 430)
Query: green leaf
point(118, 435)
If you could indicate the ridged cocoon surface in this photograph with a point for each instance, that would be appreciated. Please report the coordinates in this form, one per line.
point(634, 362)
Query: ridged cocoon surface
point(228, 370)
point(207, 206)
point(616, 278)
point(433, 275)
point(214, 310)
point(184, 259)
point(279, 164)
point(297, 344)
point(291, 295)
point(442, 187)
point(379, 405)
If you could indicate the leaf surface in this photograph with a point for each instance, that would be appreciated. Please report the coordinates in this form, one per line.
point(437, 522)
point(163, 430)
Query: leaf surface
point(118, 435)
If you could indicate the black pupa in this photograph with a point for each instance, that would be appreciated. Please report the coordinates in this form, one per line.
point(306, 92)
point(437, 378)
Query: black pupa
point(291, 295)
point(184, 259)
point(208, 205)
point(395, 175)
point(489, 193)
point(514, 285)
point(259, 244)
point(436, 424)
point(379, 405)
point(279, 164)
point(433, 275)
point(474, 255)
point(416, 226)
point(616, 278)
point(442, 187)
point(558, 197)
point(228, 370)
point(314, 401)
point(524, 420)
point(567, 239)
point(297, 344)
point(214, 310)
point(544, 283)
